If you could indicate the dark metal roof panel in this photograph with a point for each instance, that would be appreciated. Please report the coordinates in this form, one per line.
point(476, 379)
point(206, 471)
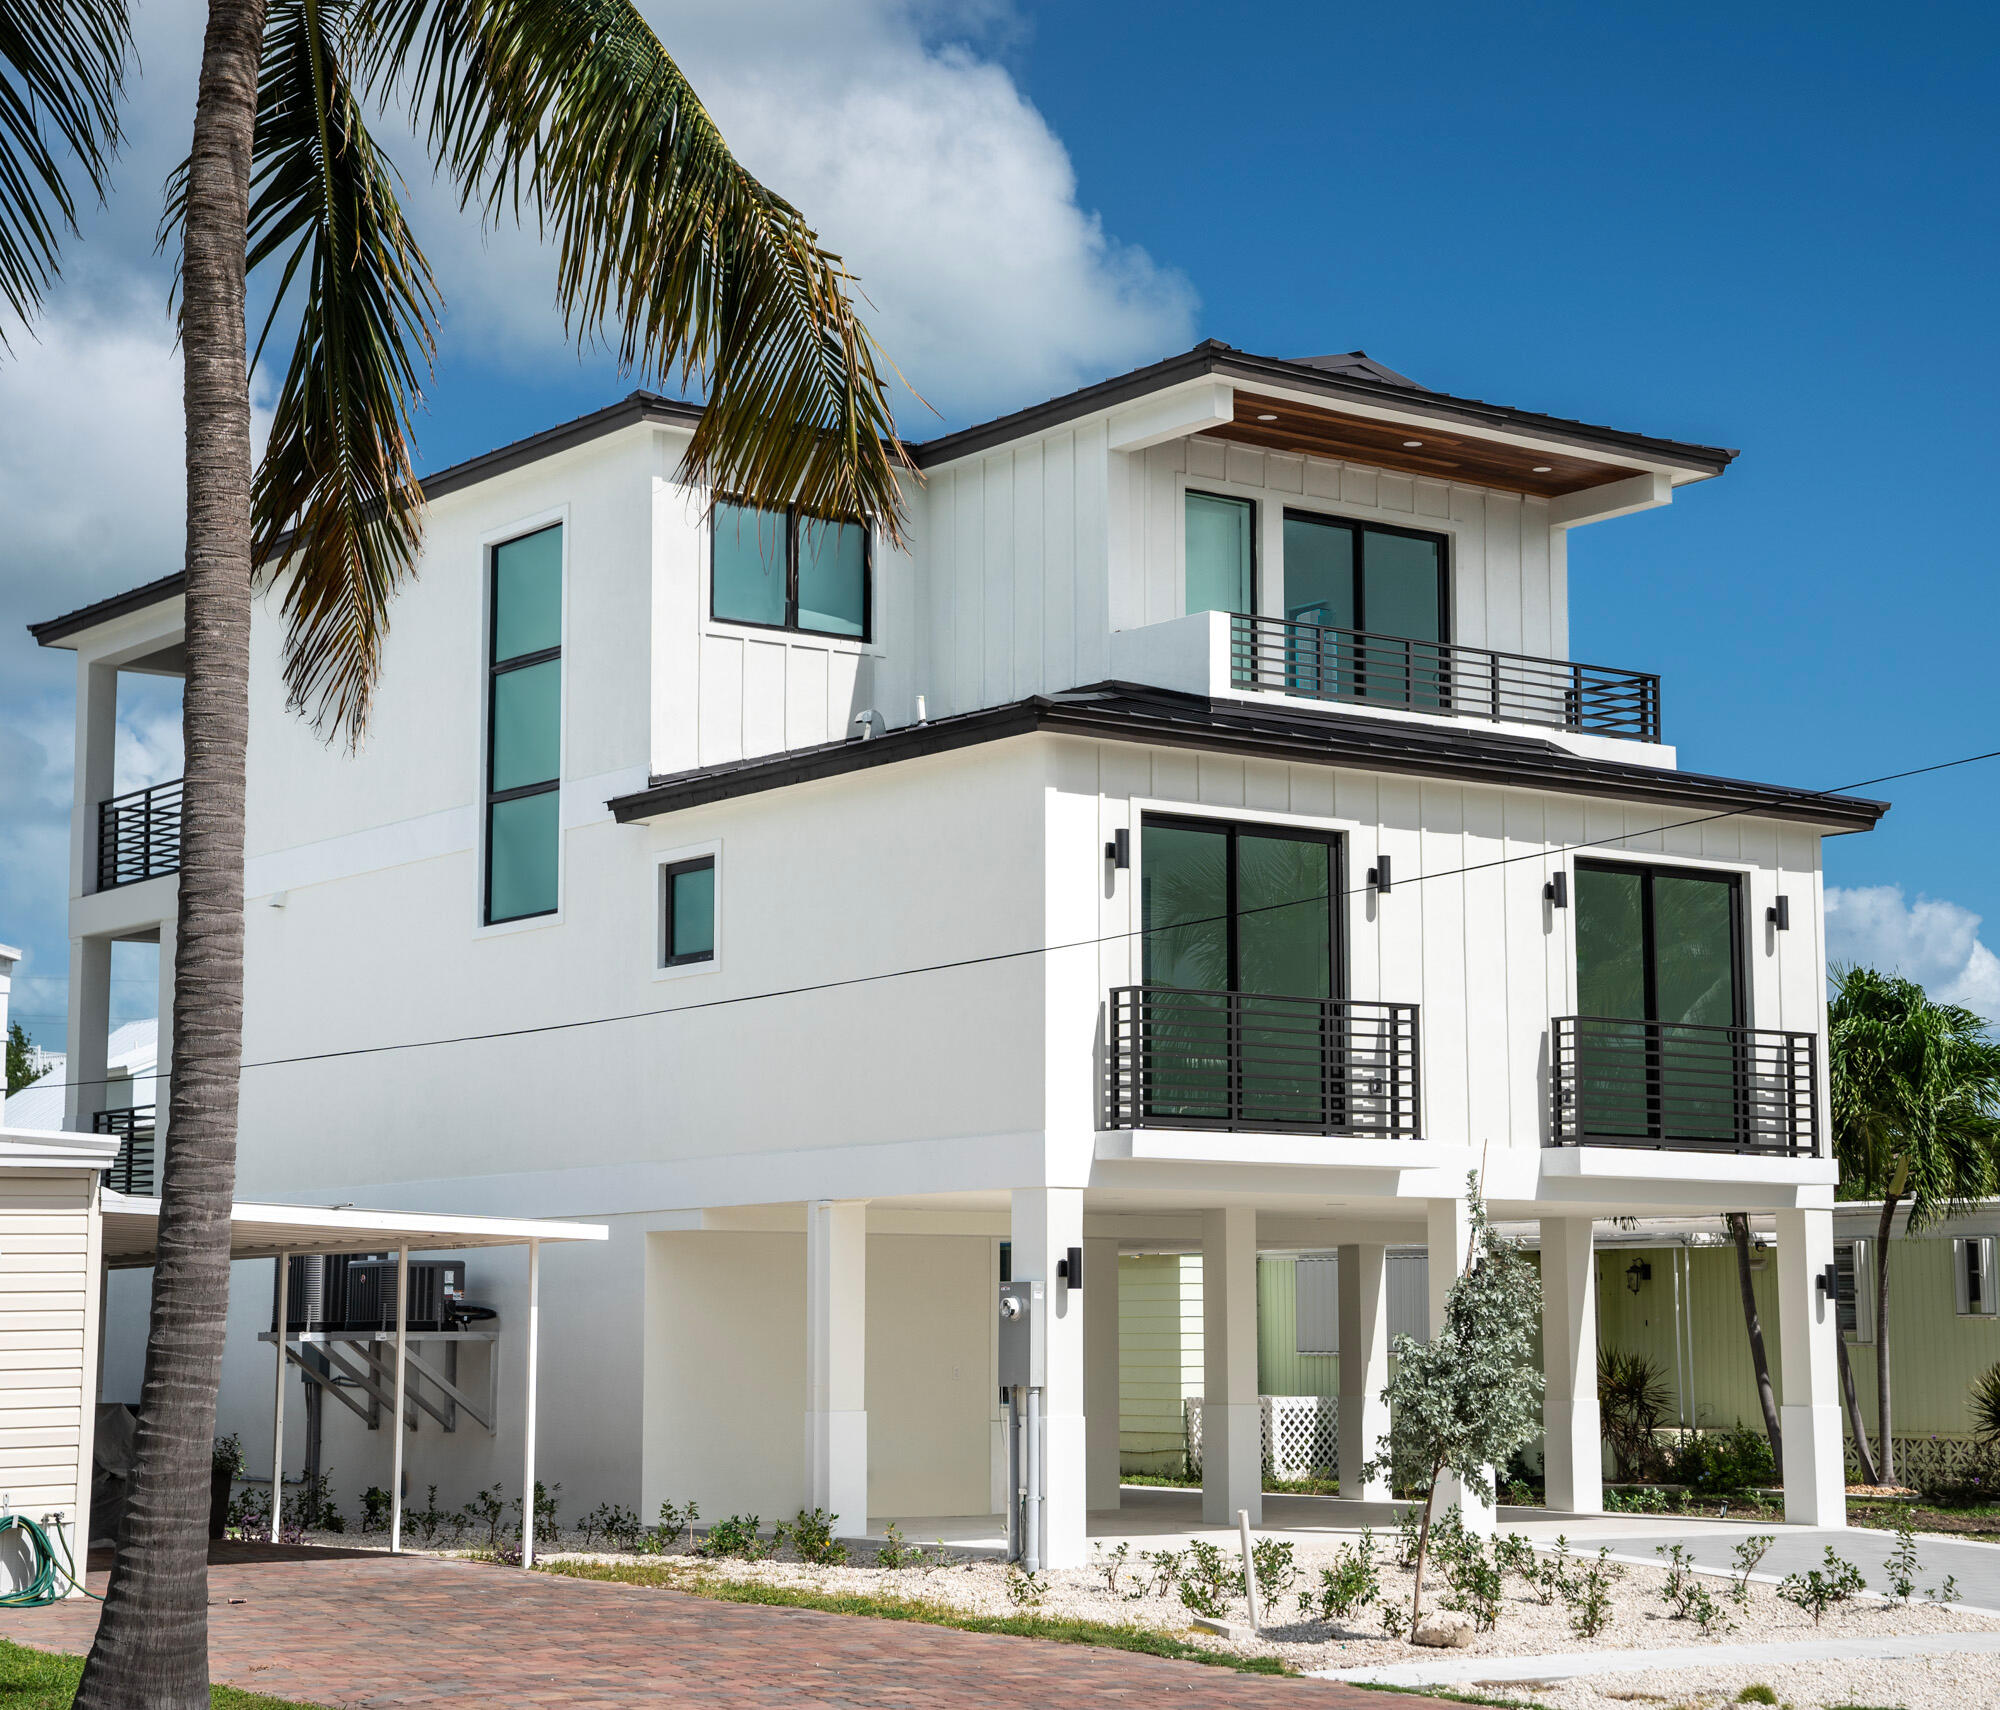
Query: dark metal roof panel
point(1124, 712)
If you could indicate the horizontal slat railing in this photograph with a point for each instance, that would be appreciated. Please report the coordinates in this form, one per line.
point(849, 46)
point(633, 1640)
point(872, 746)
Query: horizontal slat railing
point(139, 835)
point(1286, 656)
point(1678, 1087)
point(132, 1170)
point(1244, 1061)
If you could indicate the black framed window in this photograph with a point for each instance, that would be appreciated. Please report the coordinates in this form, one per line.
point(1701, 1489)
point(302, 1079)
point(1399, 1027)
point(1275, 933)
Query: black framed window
point(1221, 551)
point(523, 725)
point(790, 570)
point(687, 912)
point(1365, 576)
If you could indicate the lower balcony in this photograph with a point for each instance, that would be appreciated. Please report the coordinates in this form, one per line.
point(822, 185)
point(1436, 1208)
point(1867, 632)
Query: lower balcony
point(139, 836)
point(132, 1171)
point(1675, 1086)
point(1258, 1063)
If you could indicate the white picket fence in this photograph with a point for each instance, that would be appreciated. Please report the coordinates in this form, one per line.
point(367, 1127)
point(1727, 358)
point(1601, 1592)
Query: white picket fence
point(1299, 1432)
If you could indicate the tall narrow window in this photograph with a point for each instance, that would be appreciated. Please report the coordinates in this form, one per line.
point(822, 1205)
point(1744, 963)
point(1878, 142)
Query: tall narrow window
point(788, 570)
point(1221, 554)
point(524, 726)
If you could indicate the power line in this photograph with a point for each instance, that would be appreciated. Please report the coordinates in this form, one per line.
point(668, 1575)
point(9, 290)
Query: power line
point(998, 956)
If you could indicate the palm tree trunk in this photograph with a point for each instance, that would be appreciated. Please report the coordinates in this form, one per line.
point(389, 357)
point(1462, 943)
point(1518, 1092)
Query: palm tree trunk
point(1767, 1398)
point(1862, 1453)
point(151, 1648)
point(1884, 1436)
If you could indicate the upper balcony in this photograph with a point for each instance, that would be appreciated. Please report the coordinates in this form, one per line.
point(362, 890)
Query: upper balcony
point(1286, 656)
point(132, 1171)
point(139, 835)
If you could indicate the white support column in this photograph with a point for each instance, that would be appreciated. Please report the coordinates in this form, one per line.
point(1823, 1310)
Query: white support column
point(398, 1427)
point(1232, 1438)
point(89, 1032)
point(278, 1391)
point(1815, 1454)
point(1047, 1222)
point(93, 779)
point(1450, 1237)
point(836, 1349)
point(1362, 1425)
point(1100, 1374)
point(1572, 1439)
point(534, 1353)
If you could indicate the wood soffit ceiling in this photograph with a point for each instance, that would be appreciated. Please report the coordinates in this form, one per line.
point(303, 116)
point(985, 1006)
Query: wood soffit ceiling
point(1446, 454)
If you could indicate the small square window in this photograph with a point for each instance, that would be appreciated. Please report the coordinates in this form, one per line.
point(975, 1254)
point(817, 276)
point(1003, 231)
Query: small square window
point(688, 908)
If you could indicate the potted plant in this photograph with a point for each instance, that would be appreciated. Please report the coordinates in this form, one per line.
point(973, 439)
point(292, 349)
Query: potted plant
point(226, 1468)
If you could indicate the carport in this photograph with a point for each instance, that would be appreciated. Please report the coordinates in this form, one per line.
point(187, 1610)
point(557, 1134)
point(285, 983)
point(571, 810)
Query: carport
point(278, 1232)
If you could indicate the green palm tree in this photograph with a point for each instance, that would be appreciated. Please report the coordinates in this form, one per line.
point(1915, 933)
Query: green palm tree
point(1916, 1121)
point(565, 113)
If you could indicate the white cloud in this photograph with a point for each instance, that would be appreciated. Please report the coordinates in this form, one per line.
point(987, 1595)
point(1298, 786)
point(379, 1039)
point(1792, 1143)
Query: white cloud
point(1935, 943)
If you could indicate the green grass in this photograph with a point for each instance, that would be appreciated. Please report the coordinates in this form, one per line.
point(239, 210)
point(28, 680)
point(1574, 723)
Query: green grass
point(45, 1680)
point(1026, 1625)
point(1448, 1694)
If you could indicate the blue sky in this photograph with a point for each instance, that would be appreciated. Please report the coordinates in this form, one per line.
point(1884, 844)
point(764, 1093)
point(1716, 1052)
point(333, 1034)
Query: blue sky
point(1765, 228)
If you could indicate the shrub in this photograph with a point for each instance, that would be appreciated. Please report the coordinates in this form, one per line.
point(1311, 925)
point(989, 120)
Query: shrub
point(545, 1513)
point(487, 1510)
point(229, 1455)
point(1825, 1587)
point(1209, 1583)
point(1583, 1586)
point(425, 1522)
point(1271, 1561)
point(1747, 1555)
point(1351, 1582)
point(894, 1553)
point(1723, 1463)
point(736, 1537)
point(813, 1540)
point(1984, 1404)
point(1686, 1597)
point(1902, 1563)
point(1756, 1693)
point(1632, 1402)
point(673, 1522)
point(374, 1509)
point(1026, 1590)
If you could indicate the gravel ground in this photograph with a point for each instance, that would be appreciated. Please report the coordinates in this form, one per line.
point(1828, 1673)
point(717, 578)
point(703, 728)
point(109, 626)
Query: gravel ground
point(1919, 1683)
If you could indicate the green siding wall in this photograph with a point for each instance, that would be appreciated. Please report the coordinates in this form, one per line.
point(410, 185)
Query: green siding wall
point(1159, 1357)
point(1281, 1368)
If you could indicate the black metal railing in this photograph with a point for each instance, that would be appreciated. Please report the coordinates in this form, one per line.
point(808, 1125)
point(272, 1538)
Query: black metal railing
point(132, 1170)
point(1242, 1060)
point(139, 835)
point(1289, 657)
point(1678, 1087)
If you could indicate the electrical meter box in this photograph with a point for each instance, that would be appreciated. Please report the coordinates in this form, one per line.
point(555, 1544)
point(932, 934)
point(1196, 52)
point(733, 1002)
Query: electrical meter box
point(1023, 1323)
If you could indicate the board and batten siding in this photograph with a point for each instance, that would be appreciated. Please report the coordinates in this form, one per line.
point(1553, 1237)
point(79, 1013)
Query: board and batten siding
point(1509, 584)
point(48, 1328)
point(1466, 933)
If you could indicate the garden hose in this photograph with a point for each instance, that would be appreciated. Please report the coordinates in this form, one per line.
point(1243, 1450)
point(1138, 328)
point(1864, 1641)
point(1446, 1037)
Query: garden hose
point(51, 1578)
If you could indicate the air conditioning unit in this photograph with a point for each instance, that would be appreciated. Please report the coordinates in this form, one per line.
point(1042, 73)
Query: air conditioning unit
point(437, 1292)
point(316, 1292)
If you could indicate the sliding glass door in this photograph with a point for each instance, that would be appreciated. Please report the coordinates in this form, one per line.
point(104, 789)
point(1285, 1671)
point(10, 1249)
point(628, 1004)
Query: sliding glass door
point(1659, 985)
point(1385, 587)
point(1240, 957)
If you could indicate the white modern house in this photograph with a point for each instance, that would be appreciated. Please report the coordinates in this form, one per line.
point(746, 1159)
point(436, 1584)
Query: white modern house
point(1195, 835)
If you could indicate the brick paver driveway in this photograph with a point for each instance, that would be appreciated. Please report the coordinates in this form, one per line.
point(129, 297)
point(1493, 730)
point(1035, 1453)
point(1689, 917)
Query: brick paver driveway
point(363, 1631)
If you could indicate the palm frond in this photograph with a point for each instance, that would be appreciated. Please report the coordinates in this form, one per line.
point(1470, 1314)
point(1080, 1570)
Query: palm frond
point(665, 242)
point(336, 494)
point(62, 72)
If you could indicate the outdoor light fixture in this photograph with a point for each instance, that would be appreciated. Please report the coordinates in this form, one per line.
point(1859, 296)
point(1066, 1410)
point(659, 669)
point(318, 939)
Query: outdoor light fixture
point(1828, 1282)
point(1119, 850)
point(1779, 914)
point(1413, 445)
point(1267, 418)
point(1556, 891)
point(1070, 1270)
point(1545, 469)
point(1378, 875)
point(1637, 1272)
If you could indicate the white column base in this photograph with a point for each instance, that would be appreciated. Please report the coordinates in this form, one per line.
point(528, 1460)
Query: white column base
point(837, 1456)
point(1362, 1425)
point(1572, 1427)
point(1065, 1538)
point(1232, 1462)
point(1815, 1465)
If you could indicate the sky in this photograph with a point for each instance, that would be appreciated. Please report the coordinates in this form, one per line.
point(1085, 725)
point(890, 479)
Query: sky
point(1765, 227)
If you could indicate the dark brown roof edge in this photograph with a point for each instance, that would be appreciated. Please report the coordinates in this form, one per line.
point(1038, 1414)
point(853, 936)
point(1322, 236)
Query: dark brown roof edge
point(1163, 718)
point(1220, 359)
point(633, 408)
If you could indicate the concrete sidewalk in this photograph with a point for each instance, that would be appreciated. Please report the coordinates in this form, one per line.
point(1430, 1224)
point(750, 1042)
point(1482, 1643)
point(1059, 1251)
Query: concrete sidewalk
point(1975, 1566)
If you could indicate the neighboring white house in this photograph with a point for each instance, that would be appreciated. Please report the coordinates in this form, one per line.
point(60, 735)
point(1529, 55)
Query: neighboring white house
point(1193, 836)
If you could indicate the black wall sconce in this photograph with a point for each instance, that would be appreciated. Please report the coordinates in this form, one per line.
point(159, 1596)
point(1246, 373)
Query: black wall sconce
point(1779, 914)
point(1637, 1272)
point(1070, 1269)
point(1828, 1282)
point(1378, 875)
point(1119, 850)
point(1556, 891)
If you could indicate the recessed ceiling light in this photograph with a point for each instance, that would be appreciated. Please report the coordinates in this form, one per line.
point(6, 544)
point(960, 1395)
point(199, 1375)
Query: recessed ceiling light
point(1545, 468)
point(1413, 445)
point(1267, 418)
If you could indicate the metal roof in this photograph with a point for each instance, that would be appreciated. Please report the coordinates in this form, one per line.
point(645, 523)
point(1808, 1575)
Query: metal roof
point(1126, 712)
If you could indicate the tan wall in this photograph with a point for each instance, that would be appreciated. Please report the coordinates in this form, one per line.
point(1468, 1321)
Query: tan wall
point(1159, 1357)
point(48, 1265)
